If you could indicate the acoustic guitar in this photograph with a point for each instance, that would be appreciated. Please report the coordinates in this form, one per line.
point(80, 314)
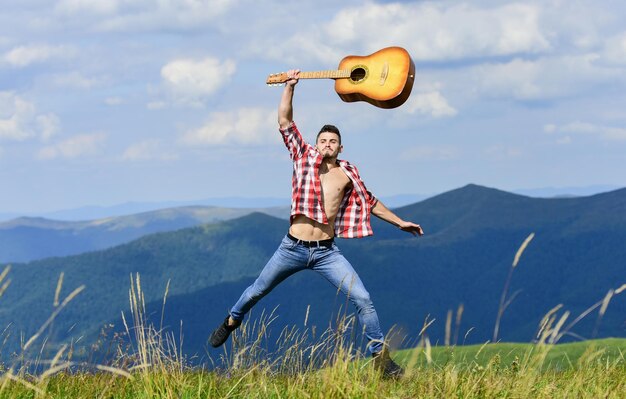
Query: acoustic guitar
point(384, 78)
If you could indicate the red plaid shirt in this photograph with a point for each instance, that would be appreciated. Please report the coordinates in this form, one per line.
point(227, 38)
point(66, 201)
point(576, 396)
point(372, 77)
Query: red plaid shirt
point(353, 218)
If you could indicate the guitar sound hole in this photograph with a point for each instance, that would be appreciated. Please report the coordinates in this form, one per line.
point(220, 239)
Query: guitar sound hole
point(358, 74)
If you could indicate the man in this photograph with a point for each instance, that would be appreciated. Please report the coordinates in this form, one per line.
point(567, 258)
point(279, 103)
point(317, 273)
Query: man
point(328, 199)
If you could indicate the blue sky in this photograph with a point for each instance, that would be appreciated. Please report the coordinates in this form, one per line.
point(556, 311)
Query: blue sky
point(108, 101)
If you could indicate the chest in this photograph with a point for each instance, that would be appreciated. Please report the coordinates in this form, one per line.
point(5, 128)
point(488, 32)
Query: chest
point(334, 180)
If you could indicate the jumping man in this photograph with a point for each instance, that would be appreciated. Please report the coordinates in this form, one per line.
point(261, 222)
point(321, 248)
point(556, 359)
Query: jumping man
point(328, 200)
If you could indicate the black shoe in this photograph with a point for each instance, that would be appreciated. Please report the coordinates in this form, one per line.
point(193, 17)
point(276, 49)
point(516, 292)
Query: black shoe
point(221, 333)
point(386, 365)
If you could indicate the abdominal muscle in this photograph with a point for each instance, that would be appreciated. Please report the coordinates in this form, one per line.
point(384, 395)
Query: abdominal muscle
point(333, 185)
point(308, 229)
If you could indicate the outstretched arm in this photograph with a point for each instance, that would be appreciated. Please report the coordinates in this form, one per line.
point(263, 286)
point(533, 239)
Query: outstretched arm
point(285, 108)
point(382, 212)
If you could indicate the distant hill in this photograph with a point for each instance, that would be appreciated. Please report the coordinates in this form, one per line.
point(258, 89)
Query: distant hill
point(580, 191)
point(128, 208)
point(101, 212)
point(472, 234)
point(26, 239)
point(92, 212)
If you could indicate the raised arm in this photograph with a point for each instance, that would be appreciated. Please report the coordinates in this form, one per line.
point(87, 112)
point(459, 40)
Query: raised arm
point(382, 212)
point(285, 108)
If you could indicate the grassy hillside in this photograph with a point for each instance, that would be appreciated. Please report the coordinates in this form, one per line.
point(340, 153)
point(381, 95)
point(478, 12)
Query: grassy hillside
point(559, 357)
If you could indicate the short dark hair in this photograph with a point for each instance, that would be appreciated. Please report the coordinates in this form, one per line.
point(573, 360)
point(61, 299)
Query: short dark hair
point(329, 129)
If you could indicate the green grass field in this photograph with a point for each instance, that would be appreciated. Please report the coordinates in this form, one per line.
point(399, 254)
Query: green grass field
point(589, 369)
point(558, 357)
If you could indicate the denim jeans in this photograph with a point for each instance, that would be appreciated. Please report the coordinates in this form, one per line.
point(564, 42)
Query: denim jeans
point(292, 257)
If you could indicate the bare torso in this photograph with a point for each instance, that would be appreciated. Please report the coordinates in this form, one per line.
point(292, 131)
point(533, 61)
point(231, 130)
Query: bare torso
point(334, 184)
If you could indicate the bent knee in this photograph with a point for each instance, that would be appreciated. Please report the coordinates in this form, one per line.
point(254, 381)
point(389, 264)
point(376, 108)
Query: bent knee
point(362, 301)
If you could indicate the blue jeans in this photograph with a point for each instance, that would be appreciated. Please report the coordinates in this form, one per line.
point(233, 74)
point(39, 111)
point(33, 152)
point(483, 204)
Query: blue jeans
point(292, 257)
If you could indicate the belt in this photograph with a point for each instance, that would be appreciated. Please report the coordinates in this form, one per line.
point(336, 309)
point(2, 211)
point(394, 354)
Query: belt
point(311, 244)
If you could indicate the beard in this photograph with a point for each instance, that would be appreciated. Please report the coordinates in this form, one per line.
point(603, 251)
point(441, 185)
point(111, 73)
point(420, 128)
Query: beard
point(329, 153)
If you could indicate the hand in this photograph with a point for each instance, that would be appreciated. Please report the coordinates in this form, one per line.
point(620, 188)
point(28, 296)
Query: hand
point(412, 228)
point(293, 75)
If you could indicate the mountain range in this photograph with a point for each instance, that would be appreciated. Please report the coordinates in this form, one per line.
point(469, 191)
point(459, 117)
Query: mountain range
point(394, 201)
point(93, 212)
point(472, 234)
point(26, 238)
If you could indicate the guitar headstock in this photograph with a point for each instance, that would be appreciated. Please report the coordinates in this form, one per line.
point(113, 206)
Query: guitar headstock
point(276, 79)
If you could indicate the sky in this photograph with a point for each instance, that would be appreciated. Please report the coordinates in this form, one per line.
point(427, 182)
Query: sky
point(108, 101)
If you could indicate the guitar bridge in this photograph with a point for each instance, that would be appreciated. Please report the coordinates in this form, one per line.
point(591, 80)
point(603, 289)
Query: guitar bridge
point(384, 73)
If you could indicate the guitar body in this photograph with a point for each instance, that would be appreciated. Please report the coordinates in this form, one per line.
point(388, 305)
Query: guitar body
point(384, 78)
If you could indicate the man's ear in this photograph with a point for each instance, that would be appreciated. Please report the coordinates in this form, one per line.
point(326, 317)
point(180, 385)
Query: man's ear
point(340, 148)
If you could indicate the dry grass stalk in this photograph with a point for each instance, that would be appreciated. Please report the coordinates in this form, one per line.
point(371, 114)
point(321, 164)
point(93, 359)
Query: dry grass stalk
point(114, 370)
point(457, 324)
point(521, 249)
point(5, 285)
point(504, 302)
point(448, 328)
point(545, 320)
point(53, 316)
point(167, 290)
point(57, 292)
point(555, 331)
point(603, 305)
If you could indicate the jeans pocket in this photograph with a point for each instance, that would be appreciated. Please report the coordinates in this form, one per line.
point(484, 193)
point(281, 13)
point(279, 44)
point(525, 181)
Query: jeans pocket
point(288, 243)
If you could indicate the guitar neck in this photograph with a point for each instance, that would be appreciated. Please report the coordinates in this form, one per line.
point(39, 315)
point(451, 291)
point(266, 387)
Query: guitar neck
point(331, 74)
point(279, 78)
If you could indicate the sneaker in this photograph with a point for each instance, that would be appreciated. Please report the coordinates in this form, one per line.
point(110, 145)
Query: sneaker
point(221, 333)
point(386, 365)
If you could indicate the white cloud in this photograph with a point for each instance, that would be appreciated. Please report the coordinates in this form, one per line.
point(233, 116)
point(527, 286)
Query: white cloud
point(74, 147)
point(609, 133)
point(614, 52)
point(543, 78)
point(19, 119)
point(244, 126)
point(49, 125)
point(16, 117)
point(23, 56)
point(549, 128)
point(429, 30)
point(96, 7)
point(518, 79)
point(145, 15)
point(148, 150)
point(190, 81)
point(113, 101)
point(430, 103)
point(73, 80)
point(155, 105)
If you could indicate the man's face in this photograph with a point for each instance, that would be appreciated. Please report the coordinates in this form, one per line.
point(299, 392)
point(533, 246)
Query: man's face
point(328, 145)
